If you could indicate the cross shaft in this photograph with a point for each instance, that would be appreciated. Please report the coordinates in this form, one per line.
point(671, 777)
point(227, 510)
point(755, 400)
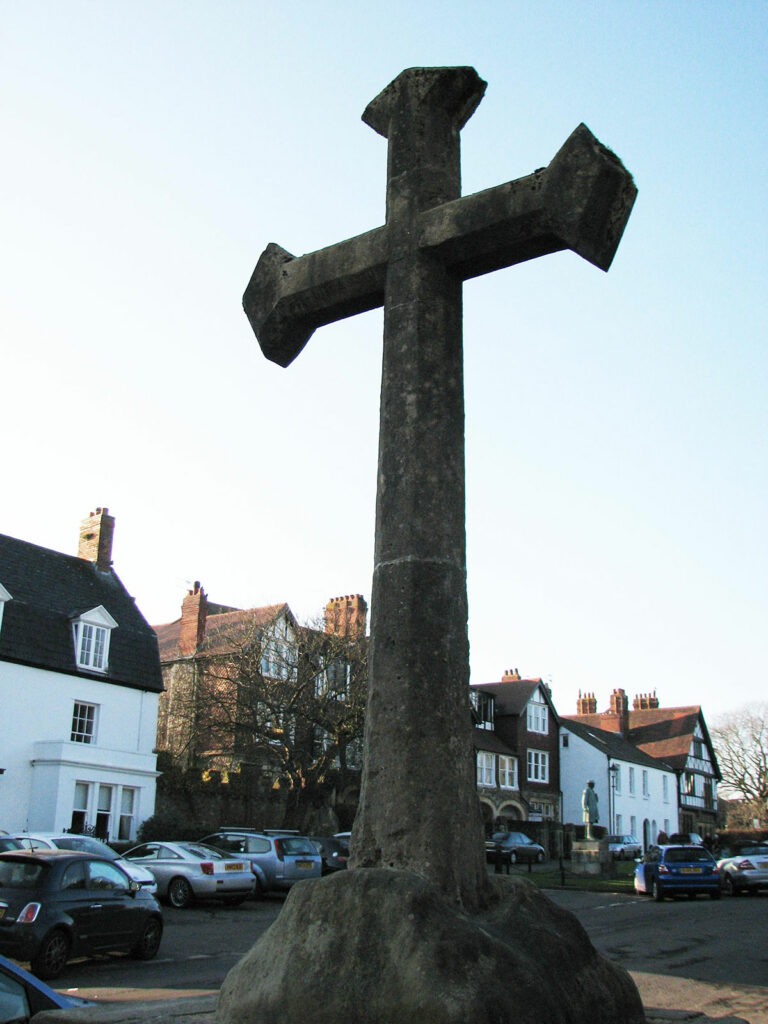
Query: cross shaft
point(418, 807)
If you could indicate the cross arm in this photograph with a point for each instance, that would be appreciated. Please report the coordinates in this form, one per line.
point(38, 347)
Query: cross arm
point(289, 297)
point(581, 201)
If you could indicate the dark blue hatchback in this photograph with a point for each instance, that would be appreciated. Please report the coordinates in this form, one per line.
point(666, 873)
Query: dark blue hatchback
point(677, 871)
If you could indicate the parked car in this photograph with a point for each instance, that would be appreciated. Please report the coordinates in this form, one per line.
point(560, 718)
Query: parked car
point(515, 846)
point(686, 839)
point(277, 861)
point(9, 843)
point(624, 847)
point(56, 905)
point(85, 844)
point(335, 852)
point(745, 873)
point(186, 872)
point(677, 871)
point(22, 995)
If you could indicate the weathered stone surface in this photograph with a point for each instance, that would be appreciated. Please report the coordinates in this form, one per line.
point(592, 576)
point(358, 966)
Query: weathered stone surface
point(376, 946)
point(388, 945)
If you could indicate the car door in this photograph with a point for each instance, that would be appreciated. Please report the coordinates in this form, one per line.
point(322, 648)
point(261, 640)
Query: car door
point(116, 916)
point(74, 900)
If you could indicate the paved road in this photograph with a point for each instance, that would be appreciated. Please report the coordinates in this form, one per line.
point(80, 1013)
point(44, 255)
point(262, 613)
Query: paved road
point(199, 947)
point(698, 957)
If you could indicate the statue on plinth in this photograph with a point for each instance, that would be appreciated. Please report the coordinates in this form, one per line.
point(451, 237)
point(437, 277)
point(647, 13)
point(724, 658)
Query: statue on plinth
point(589, 808)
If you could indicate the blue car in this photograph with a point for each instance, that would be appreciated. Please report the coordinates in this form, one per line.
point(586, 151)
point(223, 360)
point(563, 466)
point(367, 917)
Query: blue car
point(677, 871)
point(22, 995)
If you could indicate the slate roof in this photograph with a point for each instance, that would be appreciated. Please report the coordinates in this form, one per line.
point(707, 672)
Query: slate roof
point(223, 631)
point(49, 590)
point(664, 734)
point(484, 739)
point(512, 695)
point(612, 744)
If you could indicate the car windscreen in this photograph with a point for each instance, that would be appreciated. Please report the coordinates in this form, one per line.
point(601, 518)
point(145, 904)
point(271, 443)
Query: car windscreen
point(84, 844)
point(688, 855)
point(203, 852)
point(22, 874)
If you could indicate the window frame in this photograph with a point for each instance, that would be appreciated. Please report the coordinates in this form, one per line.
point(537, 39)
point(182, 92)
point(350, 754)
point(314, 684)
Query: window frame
point(485, 766)
point(537, 717)
point(83, 734)
point(4, 596)
point(537, 765)
point(504, 771)
point(91, 633)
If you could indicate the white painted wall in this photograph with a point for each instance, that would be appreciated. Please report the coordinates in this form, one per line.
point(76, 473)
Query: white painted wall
point(42, 765)
point(580, 761)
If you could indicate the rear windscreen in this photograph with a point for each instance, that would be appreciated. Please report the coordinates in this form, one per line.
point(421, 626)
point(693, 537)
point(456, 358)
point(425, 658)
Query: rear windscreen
point(690, 855)
point(299, 845)
point(21, 874)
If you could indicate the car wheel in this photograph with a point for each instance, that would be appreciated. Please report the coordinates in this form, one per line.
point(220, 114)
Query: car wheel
point(656, 891)
point(540, 857)
point(179, 893)
point(149, 940)
point(513, 857)
point(730, 888)
point(51, 956)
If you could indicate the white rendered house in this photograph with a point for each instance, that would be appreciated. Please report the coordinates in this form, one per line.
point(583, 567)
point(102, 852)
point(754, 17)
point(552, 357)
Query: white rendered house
point(637, 794)
point(79, 687)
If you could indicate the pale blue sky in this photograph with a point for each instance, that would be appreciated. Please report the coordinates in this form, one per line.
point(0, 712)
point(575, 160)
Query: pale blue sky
point(616, 424)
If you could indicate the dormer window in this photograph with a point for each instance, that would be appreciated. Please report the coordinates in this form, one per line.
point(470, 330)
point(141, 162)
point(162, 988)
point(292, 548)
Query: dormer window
point(537, 718)
point(91, 632)
point(483, 706)
point(4, 596)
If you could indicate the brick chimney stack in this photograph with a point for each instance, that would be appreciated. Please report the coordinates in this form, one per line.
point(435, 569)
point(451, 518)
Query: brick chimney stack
point(616, 719)
point(511, 676)
point(586, 705)
point(194, 609)
point(346, 616)
point(645, 701)
point(96, 534)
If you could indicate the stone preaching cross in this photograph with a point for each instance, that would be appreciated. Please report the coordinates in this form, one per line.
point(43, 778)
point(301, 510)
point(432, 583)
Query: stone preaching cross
point(419, 809)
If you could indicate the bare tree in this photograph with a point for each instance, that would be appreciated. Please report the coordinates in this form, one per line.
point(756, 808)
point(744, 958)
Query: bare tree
point(741, 743)
point(289, 699)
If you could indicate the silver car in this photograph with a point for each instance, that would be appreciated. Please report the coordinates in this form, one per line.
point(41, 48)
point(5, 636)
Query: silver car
point(277, 860)
point(623, 847)
point(188, 871)
point(746, 872)
point(86, 844)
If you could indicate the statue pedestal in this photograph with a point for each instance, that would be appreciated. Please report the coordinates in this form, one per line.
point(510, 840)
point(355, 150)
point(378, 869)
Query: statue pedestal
point(591, 857)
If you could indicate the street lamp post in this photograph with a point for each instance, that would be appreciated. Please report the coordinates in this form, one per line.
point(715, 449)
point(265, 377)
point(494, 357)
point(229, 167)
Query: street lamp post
point(613, 771)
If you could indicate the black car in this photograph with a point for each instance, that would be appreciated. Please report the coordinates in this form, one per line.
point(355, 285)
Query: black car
point(513, 847)
point(56, 905)
point(335, 852)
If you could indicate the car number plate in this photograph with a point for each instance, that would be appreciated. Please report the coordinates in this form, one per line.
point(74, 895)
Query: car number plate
point(690, 871)
point(305, 864)
point(234, 867)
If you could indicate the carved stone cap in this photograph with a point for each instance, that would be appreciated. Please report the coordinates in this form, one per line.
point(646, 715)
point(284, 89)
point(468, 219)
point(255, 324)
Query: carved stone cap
point(457, 91)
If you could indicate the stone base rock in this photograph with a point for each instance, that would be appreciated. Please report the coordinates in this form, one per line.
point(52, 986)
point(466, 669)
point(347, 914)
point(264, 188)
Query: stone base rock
point(379, 946)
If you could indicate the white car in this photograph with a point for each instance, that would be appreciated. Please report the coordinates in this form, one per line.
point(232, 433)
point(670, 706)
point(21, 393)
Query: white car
point(87, 844)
